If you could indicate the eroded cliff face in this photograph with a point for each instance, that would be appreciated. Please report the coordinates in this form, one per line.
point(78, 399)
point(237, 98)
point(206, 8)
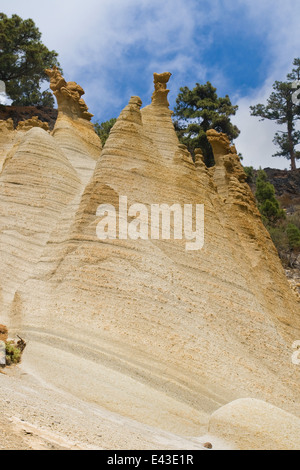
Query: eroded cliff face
point(43, 175)
point(73, 130)
point(180, 332)
point(37, 182)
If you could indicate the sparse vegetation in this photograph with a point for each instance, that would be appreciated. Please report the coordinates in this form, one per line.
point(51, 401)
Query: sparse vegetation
point(267, 203)
point(250, 174)
point(199, 110)
point(13, 349)
point(103, 129)
point(285, 111)
point(293, 234)
point(13, 353)
point(283, 226)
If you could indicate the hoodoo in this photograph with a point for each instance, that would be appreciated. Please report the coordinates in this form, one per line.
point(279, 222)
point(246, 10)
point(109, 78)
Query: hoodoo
point(145, 328)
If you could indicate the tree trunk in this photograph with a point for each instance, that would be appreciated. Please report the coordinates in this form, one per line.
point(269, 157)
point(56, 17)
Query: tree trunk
point(293, 162)
point(291, 147)
point(290, 135)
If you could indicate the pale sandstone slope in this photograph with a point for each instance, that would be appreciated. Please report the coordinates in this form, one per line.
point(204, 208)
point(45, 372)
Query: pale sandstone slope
point(7, 137)
point(50, 174)
point(36, 183)
point(249, 424)
point(10, 136)
point(73, 130)
point(158, 333)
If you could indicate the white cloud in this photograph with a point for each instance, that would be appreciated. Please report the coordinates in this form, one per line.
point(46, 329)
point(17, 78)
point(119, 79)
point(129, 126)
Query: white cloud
point(3, 99)
point(101, 31)
point(112, 47)
point(95, 40)
point(280, 23)
point(255, 140)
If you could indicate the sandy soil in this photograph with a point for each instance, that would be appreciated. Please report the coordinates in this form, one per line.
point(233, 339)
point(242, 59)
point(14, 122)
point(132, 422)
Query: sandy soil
point(38, 412)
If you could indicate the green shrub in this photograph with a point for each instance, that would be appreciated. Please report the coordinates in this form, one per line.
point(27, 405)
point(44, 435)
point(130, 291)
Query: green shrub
point(13, 353)
point(293, 234)
point(279, 237)
point(103, 129)
point(295, 219)
point(250, 173)
point(268, 205)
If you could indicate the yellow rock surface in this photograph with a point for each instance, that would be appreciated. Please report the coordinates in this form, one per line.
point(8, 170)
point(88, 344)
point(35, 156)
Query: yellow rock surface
point(250, 424)
point(155, 333)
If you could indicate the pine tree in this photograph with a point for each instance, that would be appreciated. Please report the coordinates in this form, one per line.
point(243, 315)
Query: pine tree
point(104, 129)
point(284, 109)
point(268, 205)
point(199, 110)
point(23, 60)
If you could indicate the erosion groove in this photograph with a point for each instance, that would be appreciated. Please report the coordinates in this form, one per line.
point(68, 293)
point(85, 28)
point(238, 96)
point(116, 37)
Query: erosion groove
point(144, 334)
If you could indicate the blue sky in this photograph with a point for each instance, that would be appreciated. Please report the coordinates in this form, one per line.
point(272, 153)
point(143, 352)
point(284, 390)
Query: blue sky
point(112, 47)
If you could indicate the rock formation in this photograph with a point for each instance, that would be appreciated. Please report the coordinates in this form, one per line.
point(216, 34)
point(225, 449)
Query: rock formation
point(73, 130)
point(140, 327)
point(68, 95)
point(36, 182)
point(9, 136)
point(33, 122)
point(160, 95)
point(6, 139)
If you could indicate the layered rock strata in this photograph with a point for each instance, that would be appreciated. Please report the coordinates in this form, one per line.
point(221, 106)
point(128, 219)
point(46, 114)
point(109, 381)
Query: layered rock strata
point(158, 333)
